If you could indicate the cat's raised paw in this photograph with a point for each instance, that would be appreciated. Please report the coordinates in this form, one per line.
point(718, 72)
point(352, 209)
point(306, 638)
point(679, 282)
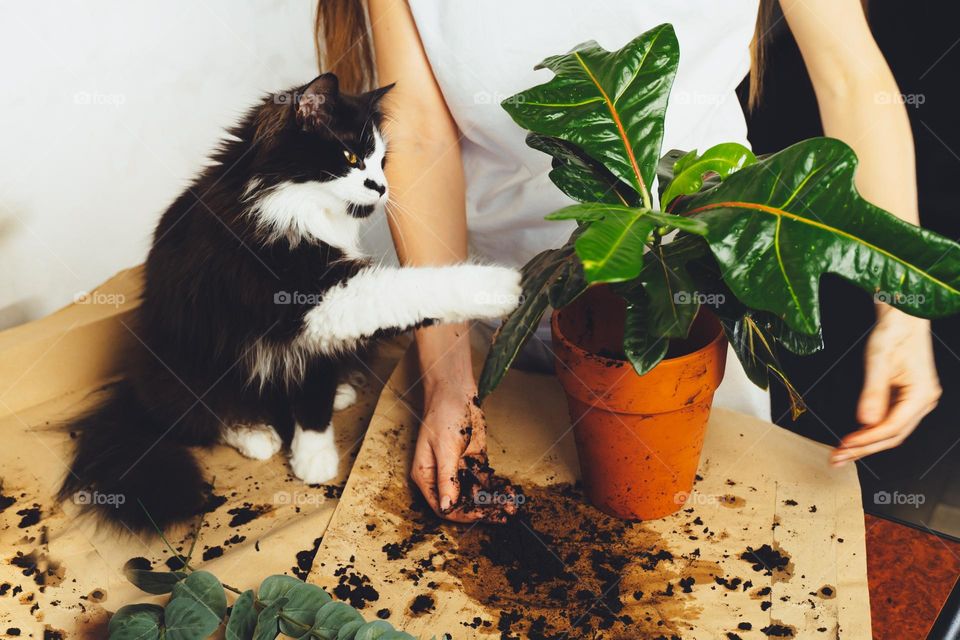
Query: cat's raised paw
point(256, 441)
point(490, 292)
point(313, 455)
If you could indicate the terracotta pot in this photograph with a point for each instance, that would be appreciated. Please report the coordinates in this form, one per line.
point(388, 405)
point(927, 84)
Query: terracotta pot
point(638, 438)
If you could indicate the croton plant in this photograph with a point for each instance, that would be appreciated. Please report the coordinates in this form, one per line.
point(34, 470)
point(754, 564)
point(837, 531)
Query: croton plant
point(752, 235)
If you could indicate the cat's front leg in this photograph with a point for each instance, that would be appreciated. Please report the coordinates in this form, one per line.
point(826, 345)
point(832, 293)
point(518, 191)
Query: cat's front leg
point(313, 450)
point(380, 299)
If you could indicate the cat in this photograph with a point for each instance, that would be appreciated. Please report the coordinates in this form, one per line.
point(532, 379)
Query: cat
point(256, 292)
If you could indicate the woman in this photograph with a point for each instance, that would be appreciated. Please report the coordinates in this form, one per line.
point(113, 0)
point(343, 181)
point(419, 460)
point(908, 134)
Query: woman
point(459, 167)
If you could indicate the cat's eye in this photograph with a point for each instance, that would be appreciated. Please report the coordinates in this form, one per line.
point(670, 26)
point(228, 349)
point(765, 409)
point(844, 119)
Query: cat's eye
point(350, 156)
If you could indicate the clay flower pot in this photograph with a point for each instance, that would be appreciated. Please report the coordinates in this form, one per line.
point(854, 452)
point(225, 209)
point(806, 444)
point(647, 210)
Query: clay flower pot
point(639, 438)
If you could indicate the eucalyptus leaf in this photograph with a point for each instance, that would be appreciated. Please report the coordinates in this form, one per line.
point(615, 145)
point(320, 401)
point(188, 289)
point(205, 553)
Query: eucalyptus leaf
point(276, 587)
point(155, 582)
point(204, 588)
point(243, 617)
point(186, 618)
point(303, 603)
point(374, 631)
point(722, 160)
point(349, 630)
point(268, 621)
point(136, 622)
point(331, 617)
point(609, 104)
point(776, 226)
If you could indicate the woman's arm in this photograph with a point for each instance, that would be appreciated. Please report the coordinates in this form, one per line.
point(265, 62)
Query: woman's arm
point(860, 104)
point(429, 227)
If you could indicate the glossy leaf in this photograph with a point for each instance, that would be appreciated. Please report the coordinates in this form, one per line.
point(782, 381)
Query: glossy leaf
point(673, 297)
point(776, 226)
point(643, 349)
point(688, 172)
point(243, 618)
point(186, 618)
point(593, 211)
point(609, 104)
point(611, 249)
point(204, 588)
point(581, 177)
point(136, 622)
point(554, 277)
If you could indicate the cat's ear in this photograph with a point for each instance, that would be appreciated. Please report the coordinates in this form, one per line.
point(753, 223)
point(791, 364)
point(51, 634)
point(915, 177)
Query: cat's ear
point(374, 97)
point(315, 100)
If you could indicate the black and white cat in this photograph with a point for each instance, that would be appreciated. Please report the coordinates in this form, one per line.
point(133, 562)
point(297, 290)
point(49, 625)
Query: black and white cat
point(256, 291)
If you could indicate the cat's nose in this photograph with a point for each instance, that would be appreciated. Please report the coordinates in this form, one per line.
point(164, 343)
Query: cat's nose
point(379, 188)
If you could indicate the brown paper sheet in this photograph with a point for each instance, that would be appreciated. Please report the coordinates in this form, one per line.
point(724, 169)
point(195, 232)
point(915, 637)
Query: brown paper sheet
point(61, 576)
point(761, 485)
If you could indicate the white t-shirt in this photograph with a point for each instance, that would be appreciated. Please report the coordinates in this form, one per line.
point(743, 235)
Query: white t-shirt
point(482, 51)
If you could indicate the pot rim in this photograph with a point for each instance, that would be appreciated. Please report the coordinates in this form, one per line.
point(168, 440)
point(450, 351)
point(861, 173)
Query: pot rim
point(570, 344)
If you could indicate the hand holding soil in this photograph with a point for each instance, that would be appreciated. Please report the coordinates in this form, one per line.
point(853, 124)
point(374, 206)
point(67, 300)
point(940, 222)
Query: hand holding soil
point(450, 464)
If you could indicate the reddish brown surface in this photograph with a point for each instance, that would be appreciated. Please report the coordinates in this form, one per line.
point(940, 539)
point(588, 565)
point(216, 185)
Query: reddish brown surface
point(911, 573)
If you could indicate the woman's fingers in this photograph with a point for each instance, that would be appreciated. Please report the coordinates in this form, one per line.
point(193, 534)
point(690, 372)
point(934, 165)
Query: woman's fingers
point(875, 397)
point(902, 419)
point(448, 464)
point(423, 472)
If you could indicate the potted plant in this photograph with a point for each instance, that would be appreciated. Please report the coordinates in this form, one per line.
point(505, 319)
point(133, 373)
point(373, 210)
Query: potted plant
point(649, 284)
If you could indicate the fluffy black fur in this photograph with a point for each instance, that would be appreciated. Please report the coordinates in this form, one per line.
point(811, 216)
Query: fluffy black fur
point(212, 278)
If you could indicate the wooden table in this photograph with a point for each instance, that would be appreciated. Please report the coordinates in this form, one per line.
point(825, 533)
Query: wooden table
point(911, 573)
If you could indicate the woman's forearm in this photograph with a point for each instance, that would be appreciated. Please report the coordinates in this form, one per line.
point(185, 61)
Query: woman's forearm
point(426, 208)
point(858, 98)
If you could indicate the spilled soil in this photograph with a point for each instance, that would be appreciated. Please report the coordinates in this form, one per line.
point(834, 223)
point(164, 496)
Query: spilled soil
point(558, 569)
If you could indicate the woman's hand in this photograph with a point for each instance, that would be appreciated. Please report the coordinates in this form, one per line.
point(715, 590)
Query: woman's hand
point(900, 388)
point(452, 427)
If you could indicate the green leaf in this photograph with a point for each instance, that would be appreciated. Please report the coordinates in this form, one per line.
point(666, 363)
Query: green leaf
point(204, 588)
point(276, 587)
point(303, 603)
point(722, 160)
point(776, 226)
point(553, 277)
point(155, 582)
point(609, 104)
point(267, 622)
point(332, 617)
point(643, 349)
point(136, 622)
point(243, 617)
point(374, 630)
point(673, 297)
point(593, 211)
point(581, 177)
point(188, 619)
point(349, 630)
point(611, 249)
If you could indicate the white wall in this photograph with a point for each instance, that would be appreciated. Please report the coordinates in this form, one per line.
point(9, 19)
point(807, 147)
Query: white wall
point(107, 108)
